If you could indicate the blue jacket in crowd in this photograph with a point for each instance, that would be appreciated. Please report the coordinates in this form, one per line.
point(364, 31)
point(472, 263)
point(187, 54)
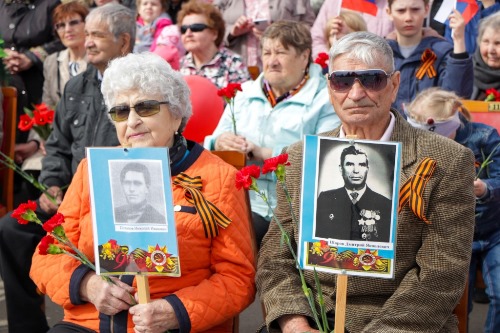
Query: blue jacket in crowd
point(482, 140)
point(453, 74)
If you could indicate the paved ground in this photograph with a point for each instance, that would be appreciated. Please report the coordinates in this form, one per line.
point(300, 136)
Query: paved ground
point(250, 319)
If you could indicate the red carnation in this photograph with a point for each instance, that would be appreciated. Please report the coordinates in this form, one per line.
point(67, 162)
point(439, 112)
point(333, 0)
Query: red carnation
point(229, 91)
point(322, 60)
point(53, 222)
point(272, 164)
point(492, 95)
point(22, 212)
point(43, 248)
point(245, 177)
point(25, 123)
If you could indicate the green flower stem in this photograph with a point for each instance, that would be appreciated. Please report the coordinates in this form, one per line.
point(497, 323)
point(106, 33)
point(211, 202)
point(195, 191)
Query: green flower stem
point(233, 119)
point(486, 162)
point(81, 257)
point(9, 163)
point(307, 291)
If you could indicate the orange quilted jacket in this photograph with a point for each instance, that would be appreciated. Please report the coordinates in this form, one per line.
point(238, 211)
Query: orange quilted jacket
point(217, 279)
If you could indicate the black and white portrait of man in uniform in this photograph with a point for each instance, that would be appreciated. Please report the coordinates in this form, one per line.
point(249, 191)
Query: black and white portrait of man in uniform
point(354, 211)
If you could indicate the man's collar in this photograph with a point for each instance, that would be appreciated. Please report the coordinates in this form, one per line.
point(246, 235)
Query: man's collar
point(387, 134)
point(360, 192)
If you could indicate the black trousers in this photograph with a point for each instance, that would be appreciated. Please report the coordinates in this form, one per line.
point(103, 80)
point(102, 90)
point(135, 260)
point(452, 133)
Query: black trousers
point(17, 245)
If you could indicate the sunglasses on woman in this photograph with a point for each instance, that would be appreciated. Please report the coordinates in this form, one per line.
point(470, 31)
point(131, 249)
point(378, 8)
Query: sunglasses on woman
point(143, 109)
point(371, 79)
point(62, 25)
point(195, 27)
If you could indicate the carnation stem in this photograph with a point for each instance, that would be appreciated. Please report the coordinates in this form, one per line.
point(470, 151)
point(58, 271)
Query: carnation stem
point(9, 163)
point(487, 161)
point(307, 291)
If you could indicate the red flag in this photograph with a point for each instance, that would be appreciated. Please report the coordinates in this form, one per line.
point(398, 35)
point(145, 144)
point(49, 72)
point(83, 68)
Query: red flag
point(363, 6)
point(468, 8)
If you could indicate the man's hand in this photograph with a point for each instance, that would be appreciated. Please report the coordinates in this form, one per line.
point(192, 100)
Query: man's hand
point(155, 317)
point(108, 298)
point(295, 324)
point(48, 206)
point(479, 188)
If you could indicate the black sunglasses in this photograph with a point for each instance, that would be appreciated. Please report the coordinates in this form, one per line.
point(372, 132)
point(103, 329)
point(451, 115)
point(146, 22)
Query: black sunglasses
point(143, 109)
point(195, 27)
point(62, 25)
point(371, 79)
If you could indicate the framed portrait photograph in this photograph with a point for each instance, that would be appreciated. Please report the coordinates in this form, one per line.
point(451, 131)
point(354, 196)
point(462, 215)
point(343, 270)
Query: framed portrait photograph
point(132, 211)
point(349, 206)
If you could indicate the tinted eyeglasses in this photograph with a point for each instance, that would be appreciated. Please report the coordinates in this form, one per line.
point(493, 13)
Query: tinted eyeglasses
point(195, 27)
point(143, 109)
point(62, 25)
point(371, 79)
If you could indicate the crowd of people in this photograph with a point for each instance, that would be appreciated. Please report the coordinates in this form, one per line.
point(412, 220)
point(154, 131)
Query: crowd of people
point(114, 72)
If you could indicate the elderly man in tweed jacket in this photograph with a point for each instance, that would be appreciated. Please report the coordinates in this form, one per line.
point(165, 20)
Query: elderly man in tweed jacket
point(432, 258)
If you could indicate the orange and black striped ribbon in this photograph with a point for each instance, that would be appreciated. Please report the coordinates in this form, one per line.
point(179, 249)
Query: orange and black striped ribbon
point(412, 190)
point(210, 215)
point(428, 59)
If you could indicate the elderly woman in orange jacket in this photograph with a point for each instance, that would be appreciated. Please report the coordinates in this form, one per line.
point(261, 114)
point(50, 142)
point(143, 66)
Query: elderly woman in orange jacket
point(217, 280)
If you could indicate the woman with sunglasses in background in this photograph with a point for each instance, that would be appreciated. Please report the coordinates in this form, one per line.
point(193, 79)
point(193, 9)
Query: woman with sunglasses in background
point(149, 105)
point(202, 31)
point(442, 112)
point(288, 100)
point(423, 57)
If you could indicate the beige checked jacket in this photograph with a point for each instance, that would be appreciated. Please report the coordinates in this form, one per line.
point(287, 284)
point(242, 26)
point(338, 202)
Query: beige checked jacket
point(432, 260)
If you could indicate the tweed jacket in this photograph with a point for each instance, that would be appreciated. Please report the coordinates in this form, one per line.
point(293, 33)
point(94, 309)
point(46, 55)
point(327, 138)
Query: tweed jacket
point(432, 260)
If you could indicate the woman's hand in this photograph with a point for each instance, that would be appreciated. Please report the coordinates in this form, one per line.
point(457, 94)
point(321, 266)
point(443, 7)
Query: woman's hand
point(457, 24)
point(242, 26)
point(230, 141)
point(108, 298)
point(157, 316)
point(16, 62)
point(257, 153)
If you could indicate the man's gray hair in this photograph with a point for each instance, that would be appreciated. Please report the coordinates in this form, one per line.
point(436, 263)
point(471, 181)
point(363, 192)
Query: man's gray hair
point(147, 74)
point(366, 47)
point(119, 19)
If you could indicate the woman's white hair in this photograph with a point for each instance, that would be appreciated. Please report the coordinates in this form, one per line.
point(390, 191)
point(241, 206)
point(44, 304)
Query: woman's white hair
point(148, 74)
point(366, 47)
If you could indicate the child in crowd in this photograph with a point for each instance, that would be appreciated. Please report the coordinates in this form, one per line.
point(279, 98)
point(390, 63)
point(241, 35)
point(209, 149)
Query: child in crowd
point(424, 58)
point(442, 112)
point(155, 31)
